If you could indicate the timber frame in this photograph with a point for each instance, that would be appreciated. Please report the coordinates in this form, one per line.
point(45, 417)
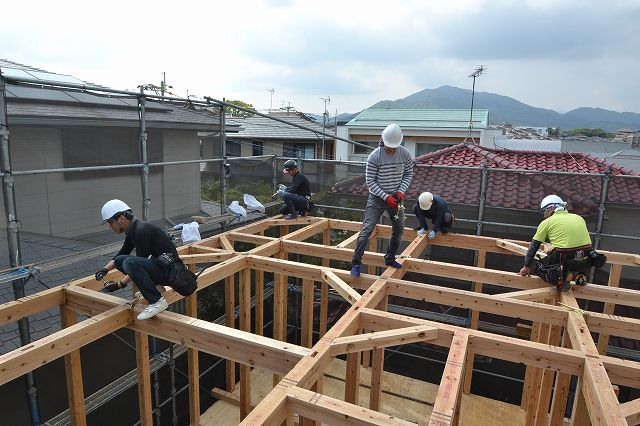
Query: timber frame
point(560, 346)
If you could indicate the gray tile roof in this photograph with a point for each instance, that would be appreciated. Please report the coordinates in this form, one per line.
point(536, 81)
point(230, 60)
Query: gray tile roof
point(264, 128)
point(31, 105)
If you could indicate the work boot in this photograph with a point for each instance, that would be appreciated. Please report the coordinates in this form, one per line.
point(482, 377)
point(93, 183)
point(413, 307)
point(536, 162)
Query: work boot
point(444, 230)
point(292, 216)
point(393, 264)
point(153, 309)
point(355, 270)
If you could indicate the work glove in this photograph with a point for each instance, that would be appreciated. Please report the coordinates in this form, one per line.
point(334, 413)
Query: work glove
point(282, 187)
point(111, 286)
point(393, 203)
point(279, 192)
point(101, 274)
point(400, 196)
point(432, 235)
point(420, 232)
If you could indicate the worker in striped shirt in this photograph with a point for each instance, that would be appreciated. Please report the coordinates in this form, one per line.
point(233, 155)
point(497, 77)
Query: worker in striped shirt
point(388, 175)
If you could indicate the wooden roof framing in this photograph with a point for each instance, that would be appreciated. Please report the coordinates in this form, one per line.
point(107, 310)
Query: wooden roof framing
point(560, 346)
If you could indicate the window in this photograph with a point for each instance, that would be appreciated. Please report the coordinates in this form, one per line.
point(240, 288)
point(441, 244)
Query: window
point(233, 148)
point(104, 146)
point(362, 150)
point(258, 148)
point(426, 148)
point(299, 150)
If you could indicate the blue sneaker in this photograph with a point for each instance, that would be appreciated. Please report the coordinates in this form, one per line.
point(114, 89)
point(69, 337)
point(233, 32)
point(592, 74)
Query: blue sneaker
point(355, 270)
point(393, 264)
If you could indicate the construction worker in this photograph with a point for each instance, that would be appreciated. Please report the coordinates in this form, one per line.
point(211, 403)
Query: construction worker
point(297, 196)
point(388, 175)
point(146, 268)
point(570, 241)
point(435, 208)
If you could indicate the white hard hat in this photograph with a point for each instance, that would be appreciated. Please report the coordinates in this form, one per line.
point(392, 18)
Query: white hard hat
point(551, 199)
point(425, 199)
point(392, 135)
point(111, 208)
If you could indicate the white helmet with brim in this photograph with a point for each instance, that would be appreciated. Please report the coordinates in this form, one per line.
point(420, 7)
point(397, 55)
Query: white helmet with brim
point(112, 208)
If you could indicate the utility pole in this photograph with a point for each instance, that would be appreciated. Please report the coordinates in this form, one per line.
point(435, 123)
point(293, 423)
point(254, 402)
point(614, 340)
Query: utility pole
point(325, 114)
point(271, 101)
point(477, 72)
point(164, 86)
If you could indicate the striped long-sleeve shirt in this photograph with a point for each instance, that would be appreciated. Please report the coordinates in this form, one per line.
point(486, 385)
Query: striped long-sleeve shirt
point(387, 174)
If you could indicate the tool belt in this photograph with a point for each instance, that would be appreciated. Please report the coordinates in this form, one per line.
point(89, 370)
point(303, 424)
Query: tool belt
point(180, 278)
point(559, 262)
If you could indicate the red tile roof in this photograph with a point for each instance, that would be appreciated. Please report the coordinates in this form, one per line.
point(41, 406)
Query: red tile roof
point(522, 190)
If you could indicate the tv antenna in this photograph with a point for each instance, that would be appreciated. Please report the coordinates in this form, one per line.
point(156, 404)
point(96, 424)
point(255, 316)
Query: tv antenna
point(271, 101)
point(477, 72)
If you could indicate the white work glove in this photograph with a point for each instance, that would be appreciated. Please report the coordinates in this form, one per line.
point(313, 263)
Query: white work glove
point(420, 232)
point(282, 187)
point(279, 192)
point(432, 235)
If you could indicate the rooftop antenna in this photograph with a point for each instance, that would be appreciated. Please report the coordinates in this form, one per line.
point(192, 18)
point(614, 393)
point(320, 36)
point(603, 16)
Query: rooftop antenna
point(325, 116)
point(477, 72)
point(163, 84)
point(271, 101)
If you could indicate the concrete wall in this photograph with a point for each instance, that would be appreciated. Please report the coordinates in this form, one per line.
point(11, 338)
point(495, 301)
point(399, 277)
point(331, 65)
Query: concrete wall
point(51, 204)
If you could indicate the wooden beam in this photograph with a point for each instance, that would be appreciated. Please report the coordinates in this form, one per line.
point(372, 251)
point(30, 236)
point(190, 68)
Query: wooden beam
point(349, 294)
point(211, 338)
point(534, 295)
point(29, 305)
point(332, 411)
point(36, 354)
point(73, 370)
point(450, 389)
point(324, 288)
point(350, 242)
point(501, 347)
point(190, 259)
point(599, 395)
point(308, 231)
point(144, 379)
point(383, 339)
point(631, 411)
point(518, 249)
point(226, 244)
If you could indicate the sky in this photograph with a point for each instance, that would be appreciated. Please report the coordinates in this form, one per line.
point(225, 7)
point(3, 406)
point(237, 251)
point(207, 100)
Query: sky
point(555, 54)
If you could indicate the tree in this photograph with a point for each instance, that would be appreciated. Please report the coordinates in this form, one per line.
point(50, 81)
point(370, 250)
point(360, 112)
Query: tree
point(237, 112)
point(553, 132)
point(590, 132)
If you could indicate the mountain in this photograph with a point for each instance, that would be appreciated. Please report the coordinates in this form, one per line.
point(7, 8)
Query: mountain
point(506, 110)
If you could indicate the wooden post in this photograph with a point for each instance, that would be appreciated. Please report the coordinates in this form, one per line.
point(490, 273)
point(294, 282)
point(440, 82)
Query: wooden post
point(280, 307)
point(259, 298)
point(352, 378)
point(536, 381)
point(547, 379)
point(193, 363)
point(144, 379)
point(324, 289)
point(306, 335)
point(244, 300)
point(377, 367)
point(528, 377)
point(73, 369)
point(475, 315)
point(230, 321)
point(447, 404)
point(614, 281)
point(560, 391)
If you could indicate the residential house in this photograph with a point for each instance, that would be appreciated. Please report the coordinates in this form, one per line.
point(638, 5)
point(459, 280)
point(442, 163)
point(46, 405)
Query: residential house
point(424, 130)
point(53, 128)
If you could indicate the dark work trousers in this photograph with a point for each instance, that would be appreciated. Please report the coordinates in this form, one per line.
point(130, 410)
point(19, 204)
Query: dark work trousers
point(146, 273)
point(293, 203)
point(376, 206)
